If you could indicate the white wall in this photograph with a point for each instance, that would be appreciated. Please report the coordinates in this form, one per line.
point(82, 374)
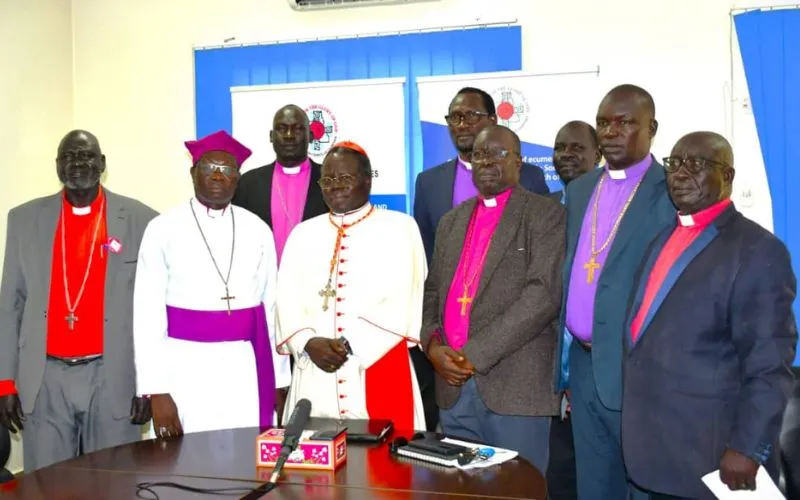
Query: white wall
point(35, 105)
point(133, 74)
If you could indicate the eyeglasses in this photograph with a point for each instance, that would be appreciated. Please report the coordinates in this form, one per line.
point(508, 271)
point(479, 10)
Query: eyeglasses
point(342, 180)
point(470, 118)
point(693, 164)
point(70, 156)
point(210, 168)
point(491, 156)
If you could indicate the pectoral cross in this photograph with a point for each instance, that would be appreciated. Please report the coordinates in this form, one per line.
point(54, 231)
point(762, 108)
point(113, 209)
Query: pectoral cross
point(591, 267)
point(464, 300)
point(327, 293)
point(71, 319)
point(228, 297)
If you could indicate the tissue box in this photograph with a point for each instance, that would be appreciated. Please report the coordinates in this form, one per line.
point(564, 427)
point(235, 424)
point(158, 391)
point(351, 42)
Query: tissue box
point(311, 454)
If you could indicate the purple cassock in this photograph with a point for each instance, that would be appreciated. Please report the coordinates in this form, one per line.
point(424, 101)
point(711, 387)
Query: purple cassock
point(241, 324)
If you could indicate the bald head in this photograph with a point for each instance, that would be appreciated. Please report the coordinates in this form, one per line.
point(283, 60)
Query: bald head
point(630, 91)
point(496, 160)
point(290, 135)
point(500, 133)
point(78, 136)
point(700, 171)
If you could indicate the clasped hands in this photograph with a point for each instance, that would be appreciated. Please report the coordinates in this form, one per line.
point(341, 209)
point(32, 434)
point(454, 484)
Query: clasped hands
point(450, 364)
point(328, 354)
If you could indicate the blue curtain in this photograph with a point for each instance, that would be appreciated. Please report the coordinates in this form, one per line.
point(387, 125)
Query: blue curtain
point(410, 55)
point(770, 45)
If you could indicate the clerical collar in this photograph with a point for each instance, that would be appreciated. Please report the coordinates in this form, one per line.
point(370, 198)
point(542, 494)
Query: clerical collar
point(465, 164)
point(353, 215)
point(294, 170)
point(499, 200)
point(704, 217)
point(633, 172)
point(88, 209)
point(210, 212)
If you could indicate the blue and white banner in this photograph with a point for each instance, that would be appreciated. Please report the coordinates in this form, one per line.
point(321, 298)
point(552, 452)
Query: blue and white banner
point(337, 111)
point(533, 106)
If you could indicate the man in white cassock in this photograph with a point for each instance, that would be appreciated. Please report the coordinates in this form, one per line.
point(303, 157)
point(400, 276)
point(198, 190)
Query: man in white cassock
point(204, 300)
point(349, 301)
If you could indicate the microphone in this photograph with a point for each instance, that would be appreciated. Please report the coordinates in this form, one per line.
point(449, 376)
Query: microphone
point(291, 438)
point(291, 435)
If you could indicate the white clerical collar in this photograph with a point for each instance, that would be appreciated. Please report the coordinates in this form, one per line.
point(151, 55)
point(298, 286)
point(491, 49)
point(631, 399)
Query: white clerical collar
point(353, 215)
point(686, 220)
point(291, 170)
point(210, 212)
point(489, 202)
point(617, 174)
point(82, 210)
point(466, 165)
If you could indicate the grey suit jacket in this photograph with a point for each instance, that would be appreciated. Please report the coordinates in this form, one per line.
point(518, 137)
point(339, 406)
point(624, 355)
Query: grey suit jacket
point(25, 293)
point(514, 315)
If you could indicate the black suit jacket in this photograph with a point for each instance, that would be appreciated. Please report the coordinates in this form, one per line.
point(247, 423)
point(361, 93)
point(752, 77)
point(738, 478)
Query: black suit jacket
point(433, 196)
point(711, 368)
point(255, 193)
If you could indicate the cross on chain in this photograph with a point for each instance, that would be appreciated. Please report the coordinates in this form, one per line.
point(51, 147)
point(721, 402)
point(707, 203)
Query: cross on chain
point(591, 267)
point(327, 293)
point(71, 319)
point(464, 300)
point(228, 297)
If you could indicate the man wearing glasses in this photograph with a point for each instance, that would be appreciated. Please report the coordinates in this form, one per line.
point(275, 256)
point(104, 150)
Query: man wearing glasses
point(711, 339)
point(491, 306)
point(350, 301)
point(441, 188)
point(204, 297)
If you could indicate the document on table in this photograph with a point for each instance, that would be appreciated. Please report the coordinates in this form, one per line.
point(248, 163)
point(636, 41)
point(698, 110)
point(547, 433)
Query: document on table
point(766, 489)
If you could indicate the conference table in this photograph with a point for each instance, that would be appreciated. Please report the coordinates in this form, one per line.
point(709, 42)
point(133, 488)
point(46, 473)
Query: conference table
point(226, 459)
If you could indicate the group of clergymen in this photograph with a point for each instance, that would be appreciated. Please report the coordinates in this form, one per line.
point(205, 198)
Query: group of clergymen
point(627, 335)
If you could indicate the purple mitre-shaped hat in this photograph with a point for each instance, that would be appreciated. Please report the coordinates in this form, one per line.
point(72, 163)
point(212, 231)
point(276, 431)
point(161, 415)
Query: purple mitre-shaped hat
point(218, 141)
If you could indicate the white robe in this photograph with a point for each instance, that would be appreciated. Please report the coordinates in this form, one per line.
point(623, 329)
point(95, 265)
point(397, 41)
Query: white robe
point(214, 385)
point(381, 269)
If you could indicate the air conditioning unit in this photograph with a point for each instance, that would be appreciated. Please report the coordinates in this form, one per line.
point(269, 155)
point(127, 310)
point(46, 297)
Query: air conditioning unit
point(339, 4)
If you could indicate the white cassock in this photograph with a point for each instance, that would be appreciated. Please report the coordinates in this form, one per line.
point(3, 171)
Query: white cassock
point(185, 341)
point(378, 277)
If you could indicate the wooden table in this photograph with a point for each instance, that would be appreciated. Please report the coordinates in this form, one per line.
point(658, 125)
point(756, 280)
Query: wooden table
point(227, 459)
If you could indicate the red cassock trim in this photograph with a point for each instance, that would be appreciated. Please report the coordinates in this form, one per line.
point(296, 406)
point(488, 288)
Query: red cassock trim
point(389, 391)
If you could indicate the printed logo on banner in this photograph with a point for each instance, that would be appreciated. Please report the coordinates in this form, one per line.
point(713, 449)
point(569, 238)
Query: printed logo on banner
point(512, 108)
point(324, 129)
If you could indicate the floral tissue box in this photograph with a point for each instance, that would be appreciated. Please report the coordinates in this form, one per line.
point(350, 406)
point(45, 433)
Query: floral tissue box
point(327, 453)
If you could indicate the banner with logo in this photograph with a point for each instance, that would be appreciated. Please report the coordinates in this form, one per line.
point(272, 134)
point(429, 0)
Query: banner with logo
point(337, 111)
point(533, 106)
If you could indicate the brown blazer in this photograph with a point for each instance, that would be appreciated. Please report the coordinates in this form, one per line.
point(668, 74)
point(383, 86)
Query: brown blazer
point(514, 315)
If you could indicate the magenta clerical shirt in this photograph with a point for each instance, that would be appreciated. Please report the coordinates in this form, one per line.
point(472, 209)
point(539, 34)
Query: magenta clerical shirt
point(482, 224)
point(288, 200)
point(617, 188)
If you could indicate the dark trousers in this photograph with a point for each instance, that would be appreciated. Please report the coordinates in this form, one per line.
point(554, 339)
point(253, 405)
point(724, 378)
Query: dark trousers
point(596, 432)
point(470, 419)
point(561, 479)
point(427, 388)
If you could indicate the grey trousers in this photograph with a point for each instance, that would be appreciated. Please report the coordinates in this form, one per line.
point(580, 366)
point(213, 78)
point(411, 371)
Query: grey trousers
point(470, 418)
point(72, 414)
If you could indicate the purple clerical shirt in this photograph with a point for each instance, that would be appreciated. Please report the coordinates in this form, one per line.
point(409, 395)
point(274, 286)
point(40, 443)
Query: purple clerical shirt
point(463, 188)
point(615, 192)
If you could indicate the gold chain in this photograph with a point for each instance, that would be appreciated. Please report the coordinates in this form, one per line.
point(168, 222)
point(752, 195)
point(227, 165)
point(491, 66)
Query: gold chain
point(597, 251)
